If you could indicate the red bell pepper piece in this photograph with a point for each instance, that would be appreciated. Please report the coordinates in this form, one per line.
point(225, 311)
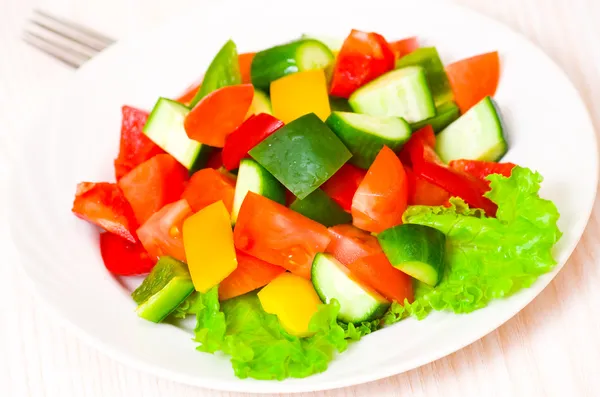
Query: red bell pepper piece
point(481, 169)
point(135, 147)
point(422, 192)
point(253, 131)
point(362, 58)
point(105, 205)
point(343, 184)
point(208, 186)
point(474, 78)
point(215, 160)
point(404, 47)
point(122, 257)
point(424, 136)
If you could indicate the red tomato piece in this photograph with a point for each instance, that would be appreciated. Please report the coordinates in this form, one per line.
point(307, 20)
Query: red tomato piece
point(251, 273)
point(377, 272)
point(161, 234)
point(122, 257)
point(218, 114)
point(135, 147)
point(362, 58)
point(404, 47)
point(422, 192)
point(382, 196)
point(481, 169)
point(208, 186)
point(343, 184)
point(424, 136)
point(153, 184)
point(349, 244)
point(252, 132)
point(245, 61)
point(276, 234)
point(104, 204)
point(474, 78)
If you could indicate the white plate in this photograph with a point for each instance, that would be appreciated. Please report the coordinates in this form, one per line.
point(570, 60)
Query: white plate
point(548, 127)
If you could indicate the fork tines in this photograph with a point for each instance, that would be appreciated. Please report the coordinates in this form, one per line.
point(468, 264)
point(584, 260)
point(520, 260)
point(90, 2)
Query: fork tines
point(64, 40)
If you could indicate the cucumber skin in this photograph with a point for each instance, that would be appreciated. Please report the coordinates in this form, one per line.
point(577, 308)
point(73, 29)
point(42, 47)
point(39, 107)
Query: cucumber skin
point(338, 104)
point(446, 114)
point(319, 207)
point(415, 243)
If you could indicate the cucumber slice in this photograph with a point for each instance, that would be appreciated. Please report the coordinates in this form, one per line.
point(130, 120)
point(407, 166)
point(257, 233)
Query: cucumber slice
point(446, 113)
point(165, 128)
point(358, 302)
point(399, 93)
point(302, 154)
point(476, 135)
point(366, 135)
point(338, 104)
point(252, 177)
point(429, 59)
point(261, 103)
point(332, 42)
point(168, 284)
point(224, 70)
point(416, 250)
point(297, 56)
point(319, 207)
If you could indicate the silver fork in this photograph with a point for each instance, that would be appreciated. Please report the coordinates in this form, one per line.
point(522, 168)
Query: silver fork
point(67, 41)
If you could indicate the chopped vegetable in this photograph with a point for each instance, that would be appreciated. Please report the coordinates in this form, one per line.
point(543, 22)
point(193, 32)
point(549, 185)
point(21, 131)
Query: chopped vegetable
point(445, 114)
point(313, 153)
point(189, 94)
point(122, 257)
point(245, 61)
point(343, 184)
point(261, 103)
point(293, 300)
point(349, 244)
point(319, 207)
point(276, 234)
point(104, 204)
point(209, 249)
point(339, 104)
point(423, 192)
point(481, 169)
point(382, 195)
point(300, 93)
point(404, 47)
point(208, 186)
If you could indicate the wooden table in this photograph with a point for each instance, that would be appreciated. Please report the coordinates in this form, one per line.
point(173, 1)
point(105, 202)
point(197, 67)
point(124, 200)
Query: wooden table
point(552, 348)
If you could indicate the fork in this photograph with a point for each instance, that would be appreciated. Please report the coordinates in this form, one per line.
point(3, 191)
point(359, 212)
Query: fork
point(67, 41)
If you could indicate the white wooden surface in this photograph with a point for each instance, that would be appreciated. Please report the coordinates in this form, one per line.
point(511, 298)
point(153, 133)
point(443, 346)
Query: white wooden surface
point(552, 348)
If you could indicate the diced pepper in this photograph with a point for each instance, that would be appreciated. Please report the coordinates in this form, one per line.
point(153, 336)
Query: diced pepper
point(302, 154)
point(363, 57)
point(423, 136)
point(135, 147)
point(245, 61)
point(404, 46)
point(349, 244)
point(343, 184)
point(382, 195)
point(218, 114)
point(161, 233)
point(377, 272)
point(422, 192)
point(105, 205)
point(276, 234)
point(208, 186)
point(251, 273)
point(481, 169)
point(246, 136)
point(300, 93)
point(209, 249)
point(122, 257)
point(153, 184)
point(215, 160)
point(293, 300)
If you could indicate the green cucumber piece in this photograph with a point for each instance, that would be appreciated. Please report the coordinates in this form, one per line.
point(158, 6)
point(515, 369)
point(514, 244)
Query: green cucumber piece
point(334, 43)
point(416, 250)
point(165, 128)
point(162, 291)
point(252, 177)
point(261, 103)
point(321, 208)
point(224, 70)
point(399, 93)
point(446, 113)
point(358, 302)
point(429, 59)
point(366, 135)
point(302, 154)
point(297, 56)
point(476, 135)
point(338, 104)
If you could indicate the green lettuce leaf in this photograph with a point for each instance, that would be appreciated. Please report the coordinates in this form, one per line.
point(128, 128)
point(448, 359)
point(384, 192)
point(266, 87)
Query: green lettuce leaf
point(191, 305)
point(210, 321)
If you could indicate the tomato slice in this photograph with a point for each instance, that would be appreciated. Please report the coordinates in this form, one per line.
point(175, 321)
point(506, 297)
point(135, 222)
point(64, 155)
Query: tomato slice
point(362, 58)
point(348, 243)
point(153, 184)
point(208, 186)
point(377, 271)
point(105, 205)
point(135, 147)
point(382, 196)
point(161, 234)
point(218, 114)
point(245, 61)
point(276, 234)
point(404, 47)
point(251, 273)
point(481, 169)
point(422, 192)
point(342, 186)
point(122, 257)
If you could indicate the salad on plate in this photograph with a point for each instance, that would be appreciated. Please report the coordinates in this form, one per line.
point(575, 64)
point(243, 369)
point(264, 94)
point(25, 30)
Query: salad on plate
point(306, 195)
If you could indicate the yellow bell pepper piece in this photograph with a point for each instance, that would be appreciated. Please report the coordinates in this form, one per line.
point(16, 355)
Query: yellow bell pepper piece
point(293, 300)
point(208, 244)
point(300, 93)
